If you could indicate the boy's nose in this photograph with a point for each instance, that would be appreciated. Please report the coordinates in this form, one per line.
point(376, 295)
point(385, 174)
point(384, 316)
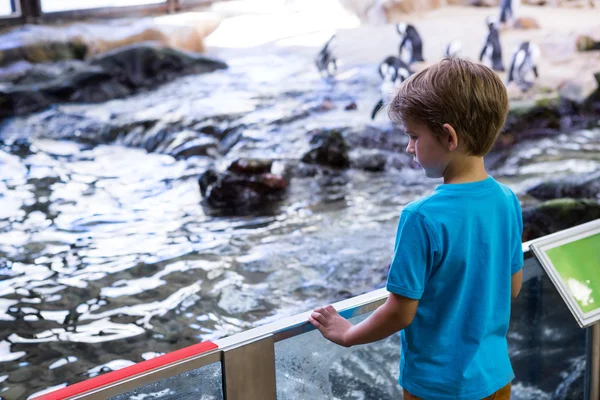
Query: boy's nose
point(410, 150)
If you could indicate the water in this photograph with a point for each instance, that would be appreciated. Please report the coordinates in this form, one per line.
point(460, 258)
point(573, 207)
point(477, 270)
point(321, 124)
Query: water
point(109, 255)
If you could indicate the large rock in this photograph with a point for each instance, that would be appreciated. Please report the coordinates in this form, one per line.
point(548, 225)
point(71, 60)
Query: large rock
point(114, 74)
point(529, 119)
point(248, 185)
point(586, 186)
point(35, 43)
point(369, 160)
point(328, 149)
point(146, 63)
point(566, 111)
point(27, 73)
point(38, 44)
point(592, 102)
point(556, 215)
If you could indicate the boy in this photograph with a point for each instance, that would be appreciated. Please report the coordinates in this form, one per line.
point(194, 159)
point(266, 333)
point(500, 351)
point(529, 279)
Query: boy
point(458, 256)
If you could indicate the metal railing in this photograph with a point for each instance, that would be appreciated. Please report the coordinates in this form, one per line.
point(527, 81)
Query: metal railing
point(248, 358)
point(30, 11)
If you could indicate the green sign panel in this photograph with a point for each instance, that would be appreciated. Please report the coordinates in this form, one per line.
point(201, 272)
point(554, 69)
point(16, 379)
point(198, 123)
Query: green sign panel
point(571, 259)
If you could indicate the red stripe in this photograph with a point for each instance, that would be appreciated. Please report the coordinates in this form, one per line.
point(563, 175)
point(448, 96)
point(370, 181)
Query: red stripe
point(128, 372)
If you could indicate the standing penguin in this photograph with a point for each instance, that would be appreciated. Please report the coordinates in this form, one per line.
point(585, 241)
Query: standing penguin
point(393, 72)
point(453, 49)
point(411, 45)
point(506, 11)
point(325, 61)
point(523, 65)
point(492, 50)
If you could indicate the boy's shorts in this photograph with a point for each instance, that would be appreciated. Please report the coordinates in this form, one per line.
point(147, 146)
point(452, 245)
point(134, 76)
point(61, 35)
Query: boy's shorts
point(502, 394)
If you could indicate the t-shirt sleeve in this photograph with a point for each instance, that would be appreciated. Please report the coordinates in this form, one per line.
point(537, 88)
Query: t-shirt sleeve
point(517, 258)
point(413, 257)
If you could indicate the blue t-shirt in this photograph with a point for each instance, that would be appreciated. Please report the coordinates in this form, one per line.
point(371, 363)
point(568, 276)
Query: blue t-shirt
point(455, 252)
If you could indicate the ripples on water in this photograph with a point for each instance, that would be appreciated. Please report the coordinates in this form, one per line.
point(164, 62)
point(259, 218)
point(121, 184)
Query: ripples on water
point(108, 256)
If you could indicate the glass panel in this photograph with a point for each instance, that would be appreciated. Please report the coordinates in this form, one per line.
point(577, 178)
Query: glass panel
point(546, 345)
point(310, 367)
point(7, 7)
point(49, 6)
point(200, 384)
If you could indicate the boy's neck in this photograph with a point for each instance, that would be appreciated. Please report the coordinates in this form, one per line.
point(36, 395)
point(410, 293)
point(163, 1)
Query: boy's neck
point(465, 169)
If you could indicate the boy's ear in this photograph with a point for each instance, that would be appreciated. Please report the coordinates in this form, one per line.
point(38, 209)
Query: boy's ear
point(451, 137)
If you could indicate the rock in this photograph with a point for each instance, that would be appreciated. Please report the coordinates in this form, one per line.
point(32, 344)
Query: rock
point(525, 23)
point(247, 184)
point(182, 31)
point(14, 71)
point(586, 43)
point(388, 137)
point(592, 102)
point(250, 166)
point(20, 147)
point(556, 215)
point(35, 43)
point(572, 91)
point(245, 192)
point(147, 63)
point(38, 44)
point(207, 179)
point(373, 161)
point(327, 105)
point(586, 186)
point(201, 146)
point(530, 119)
point(329, 149)
point(303, 170)
point(351, 107)
point(111, 75)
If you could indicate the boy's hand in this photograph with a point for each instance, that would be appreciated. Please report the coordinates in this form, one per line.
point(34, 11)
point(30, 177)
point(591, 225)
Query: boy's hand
point(332, 325)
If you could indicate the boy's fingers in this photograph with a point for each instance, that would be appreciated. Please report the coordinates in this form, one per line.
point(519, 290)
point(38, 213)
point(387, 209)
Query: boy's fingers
point(319, 317)
point(325, 311)
point(313, 321)
point(330, 309)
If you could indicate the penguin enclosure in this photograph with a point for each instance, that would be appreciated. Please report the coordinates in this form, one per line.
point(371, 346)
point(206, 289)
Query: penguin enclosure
point(173, 172)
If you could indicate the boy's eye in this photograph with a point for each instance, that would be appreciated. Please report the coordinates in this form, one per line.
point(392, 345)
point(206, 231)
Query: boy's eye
point(413, 137)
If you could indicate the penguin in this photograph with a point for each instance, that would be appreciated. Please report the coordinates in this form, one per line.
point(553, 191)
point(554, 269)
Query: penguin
point(411, 45)
point(506, 11)
point(523, 65)
point(325, 61)
point(453, 49)
point(393, 72)
point(492, 50)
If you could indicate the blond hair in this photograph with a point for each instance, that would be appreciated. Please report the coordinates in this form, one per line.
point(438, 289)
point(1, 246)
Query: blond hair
point(468, 96)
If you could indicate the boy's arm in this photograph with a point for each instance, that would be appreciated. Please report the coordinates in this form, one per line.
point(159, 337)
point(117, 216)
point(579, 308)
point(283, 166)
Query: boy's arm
point(516, 282)
point(394, 315)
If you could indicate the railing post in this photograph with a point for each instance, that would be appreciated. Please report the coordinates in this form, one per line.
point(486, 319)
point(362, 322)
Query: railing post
point(31, 11)
point(592, 377)
point(249, 370)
